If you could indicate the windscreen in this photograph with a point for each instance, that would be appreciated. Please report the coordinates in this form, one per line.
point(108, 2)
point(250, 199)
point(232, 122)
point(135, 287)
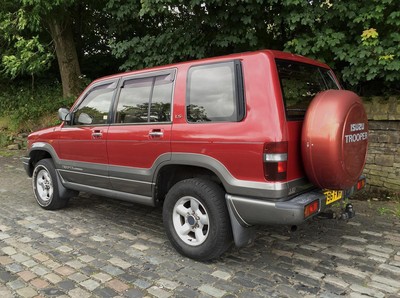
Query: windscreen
point(300, 82)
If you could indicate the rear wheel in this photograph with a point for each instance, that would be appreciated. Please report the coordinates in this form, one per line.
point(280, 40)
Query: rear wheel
point(45, 188)
point(197, 220)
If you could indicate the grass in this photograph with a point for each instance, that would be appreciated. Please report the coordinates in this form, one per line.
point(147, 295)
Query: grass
point(25, 110)
point(11, 153)
point(395, 211)
point(393, 206)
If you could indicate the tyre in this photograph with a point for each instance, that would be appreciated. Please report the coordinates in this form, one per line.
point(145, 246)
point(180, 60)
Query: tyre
point(45, 187)
point(196, 219)
point(335, 139)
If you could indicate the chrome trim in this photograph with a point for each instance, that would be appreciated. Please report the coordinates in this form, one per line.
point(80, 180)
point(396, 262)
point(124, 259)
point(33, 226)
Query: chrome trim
point(274, 157)
point(134, 198)
point(156, 133)
point(82, 173)
point(132, 180)
point(273, 190)
point(145, 178)
point(90, 179)
point(137, 187)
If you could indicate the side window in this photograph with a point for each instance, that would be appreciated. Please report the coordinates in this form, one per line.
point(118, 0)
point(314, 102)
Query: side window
point(95, 107)
point(212, 93)
point(145, 100)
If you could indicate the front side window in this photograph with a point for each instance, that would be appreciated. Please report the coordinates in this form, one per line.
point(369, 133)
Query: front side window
point(143, 100)
point(300, 83)
point(95, 107)
point(212, 93)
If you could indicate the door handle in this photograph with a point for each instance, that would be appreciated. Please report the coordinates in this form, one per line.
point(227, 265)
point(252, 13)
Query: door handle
point(156, 133)
point(96, 134)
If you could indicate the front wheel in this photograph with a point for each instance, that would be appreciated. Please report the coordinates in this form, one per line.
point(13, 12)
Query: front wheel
point(45, 188)
point(196, 219)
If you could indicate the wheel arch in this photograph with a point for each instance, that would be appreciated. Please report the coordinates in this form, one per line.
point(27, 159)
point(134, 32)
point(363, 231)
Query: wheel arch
point(168, 175)
point(40, 151)
point(36, 155)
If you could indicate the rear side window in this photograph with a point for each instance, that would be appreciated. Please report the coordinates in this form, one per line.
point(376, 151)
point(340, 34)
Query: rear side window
point(215, 93)
point(144, 100)
point(300, 83)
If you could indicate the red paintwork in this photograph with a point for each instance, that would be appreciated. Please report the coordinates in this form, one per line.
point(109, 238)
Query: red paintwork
point(77, 143)
point(334, 152)
point(132, 146)
point(238, 146)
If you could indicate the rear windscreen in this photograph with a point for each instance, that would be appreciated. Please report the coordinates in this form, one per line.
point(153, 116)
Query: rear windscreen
point(300, 83)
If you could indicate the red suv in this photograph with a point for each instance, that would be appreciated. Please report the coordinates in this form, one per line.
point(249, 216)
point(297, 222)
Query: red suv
point(222, 144)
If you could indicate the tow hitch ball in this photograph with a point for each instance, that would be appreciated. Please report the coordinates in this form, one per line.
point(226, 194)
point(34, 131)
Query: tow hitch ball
point(348, 212)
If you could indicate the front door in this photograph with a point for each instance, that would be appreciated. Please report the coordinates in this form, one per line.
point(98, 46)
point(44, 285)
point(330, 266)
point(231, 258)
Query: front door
point(83, 142)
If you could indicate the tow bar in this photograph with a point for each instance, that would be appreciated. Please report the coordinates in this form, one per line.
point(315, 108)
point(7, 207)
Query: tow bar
point(345, 214)
point(348, 212)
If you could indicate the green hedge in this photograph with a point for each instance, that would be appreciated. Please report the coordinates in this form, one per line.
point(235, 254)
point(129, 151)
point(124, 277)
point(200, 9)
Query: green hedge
point(24, 110)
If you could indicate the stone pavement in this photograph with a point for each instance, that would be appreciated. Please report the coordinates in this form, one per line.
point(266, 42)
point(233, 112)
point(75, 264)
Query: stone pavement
point(97, 247)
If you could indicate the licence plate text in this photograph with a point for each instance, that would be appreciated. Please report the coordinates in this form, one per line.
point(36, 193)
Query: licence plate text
point(333, 196)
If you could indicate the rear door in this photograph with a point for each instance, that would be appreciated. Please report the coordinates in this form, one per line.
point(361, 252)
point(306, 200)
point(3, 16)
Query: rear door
point(139, 139)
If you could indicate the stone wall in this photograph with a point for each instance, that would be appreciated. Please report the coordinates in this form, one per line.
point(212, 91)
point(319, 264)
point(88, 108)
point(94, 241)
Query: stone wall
point(383, 160)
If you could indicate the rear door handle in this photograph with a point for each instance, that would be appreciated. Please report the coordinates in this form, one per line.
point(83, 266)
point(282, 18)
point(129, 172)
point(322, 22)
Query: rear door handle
point(156, 133)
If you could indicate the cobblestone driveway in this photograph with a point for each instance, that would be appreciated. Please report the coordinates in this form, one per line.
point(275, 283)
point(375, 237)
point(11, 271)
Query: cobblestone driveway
point(105, 248)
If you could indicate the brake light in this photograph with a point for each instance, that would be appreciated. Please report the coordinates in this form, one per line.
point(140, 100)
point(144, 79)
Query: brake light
point(275, 161)
point(311, 208)
point(361, 184)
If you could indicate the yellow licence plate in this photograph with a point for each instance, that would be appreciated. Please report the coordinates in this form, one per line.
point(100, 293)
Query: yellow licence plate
point(333, 196)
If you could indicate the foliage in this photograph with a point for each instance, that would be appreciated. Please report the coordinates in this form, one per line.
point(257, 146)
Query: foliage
point(25, 109)
point(28, 45)
point(153, 32)
point(22, 51)
point(394, 211)
point(359, 39)
point(29, 57)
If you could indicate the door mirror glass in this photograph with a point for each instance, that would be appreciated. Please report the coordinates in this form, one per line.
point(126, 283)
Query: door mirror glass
point(84, 119)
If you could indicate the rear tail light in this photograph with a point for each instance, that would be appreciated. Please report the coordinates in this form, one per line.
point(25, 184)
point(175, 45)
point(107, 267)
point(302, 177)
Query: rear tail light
point(311, 208)
point(275, 161)
point(360, 184)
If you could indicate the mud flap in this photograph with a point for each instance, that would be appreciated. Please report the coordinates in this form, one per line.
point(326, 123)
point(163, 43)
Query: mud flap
point(242, 235)
point(65, 193)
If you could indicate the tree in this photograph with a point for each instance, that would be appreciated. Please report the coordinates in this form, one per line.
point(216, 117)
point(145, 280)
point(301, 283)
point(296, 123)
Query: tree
point(23, 55)
point(359, 39)
point(75, 31)
point(56, 16)
point(153, 32)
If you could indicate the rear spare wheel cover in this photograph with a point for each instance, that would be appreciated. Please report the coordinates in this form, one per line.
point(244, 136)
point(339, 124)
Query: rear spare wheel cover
point(335, 139)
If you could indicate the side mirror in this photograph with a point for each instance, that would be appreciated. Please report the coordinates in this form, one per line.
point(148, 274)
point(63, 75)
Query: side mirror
point(64, 115)
point(84, 119)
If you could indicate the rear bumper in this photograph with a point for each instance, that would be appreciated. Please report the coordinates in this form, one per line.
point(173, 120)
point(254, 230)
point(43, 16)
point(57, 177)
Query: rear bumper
point(251, 211)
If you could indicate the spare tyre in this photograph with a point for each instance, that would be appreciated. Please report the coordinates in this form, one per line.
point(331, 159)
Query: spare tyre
point(335, 139)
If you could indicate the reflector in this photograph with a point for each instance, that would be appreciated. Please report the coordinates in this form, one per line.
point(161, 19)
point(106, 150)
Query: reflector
point(311, 208)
